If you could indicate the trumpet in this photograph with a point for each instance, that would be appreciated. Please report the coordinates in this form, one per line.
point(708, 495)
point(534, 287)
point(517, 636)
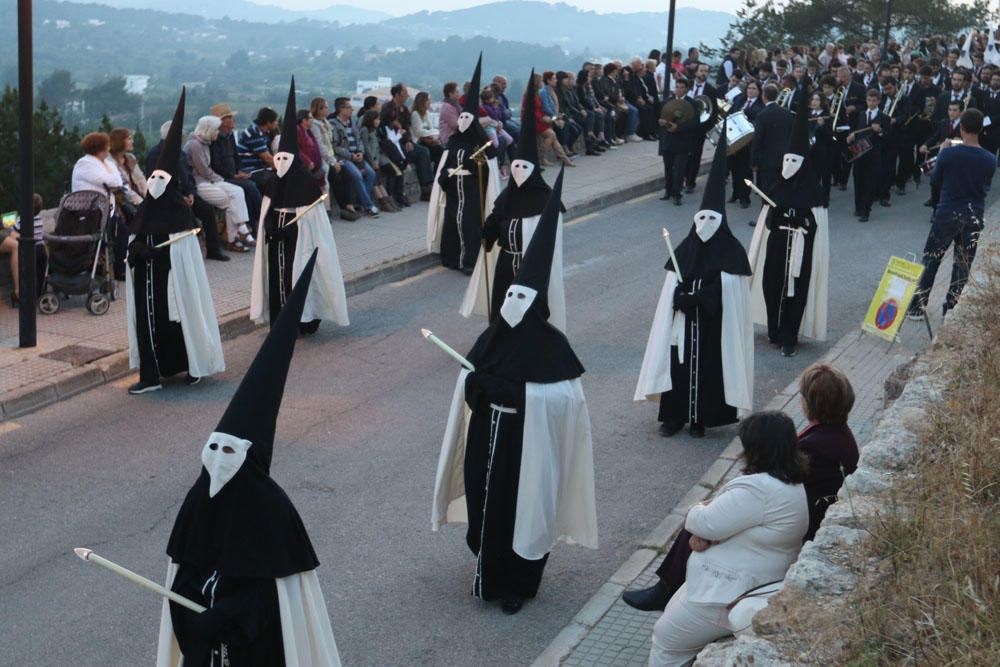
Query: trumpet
point(783, 97)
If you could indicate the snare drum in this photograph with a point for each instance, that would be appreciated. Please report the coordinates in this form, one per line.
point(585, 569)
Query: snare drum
point(860, 146)
point(739, 132)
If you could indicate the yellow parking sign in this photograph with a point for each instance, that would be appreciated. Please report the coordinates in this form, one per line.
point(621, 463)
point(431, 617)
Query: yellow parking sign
point(892, 298)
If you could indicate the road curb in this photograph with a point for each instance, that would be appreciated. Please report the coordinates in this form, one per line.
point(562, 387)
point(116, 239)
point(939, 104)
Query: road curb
point(30, 398)
point(660, 538)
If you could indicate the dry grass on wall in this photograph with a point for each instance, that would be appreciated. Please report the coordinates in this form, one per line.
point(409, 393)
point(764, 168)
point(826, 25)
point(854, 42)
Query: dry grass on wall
point(934, 599)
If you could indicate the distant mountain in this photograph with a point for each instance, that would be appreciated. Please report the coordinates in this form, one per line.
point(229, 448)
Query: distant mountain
point(250, 11)
point(568, 27)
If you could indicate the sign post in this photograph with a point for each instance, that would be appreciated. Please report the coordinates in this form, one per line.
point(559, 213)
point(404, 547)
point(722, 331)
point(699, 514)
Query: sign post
point(27, 296)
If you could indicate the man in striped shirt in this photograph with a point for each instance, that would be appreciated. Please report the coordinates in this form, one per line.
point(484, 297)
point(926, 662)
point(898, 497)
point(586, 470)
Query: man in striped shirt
point(253, 147)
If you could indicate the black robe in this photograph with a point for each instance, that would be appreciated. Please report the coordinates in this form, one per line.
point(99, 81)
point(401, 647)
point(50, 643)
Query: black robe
point(784, 313)
point(161, 342)
point(281, 241)
point(242, 623)
point(460, 233)
point(492, 473)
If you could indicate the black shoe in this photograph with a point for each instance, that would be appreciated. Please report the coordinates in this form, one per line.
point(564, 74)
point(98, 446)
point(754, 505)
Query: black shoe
point(654, 598)
point(689, 189)
point(745, 203)
point(309, 327)
point(677, 200)
point(191, 380)
point(510, 605)
point(842, 186)
point(467, 271)
point(15, 300)
point(788, 350)
point(732, 200)
point(752, 223)
point(669, 428)
point(901, 190)
point(863, 217)
point(666, 198)
point(945, 307)
point(217, 256)
point(884, 202)
point(697, 430)
point(403, 201)
point(929, 203)
point(141, 387)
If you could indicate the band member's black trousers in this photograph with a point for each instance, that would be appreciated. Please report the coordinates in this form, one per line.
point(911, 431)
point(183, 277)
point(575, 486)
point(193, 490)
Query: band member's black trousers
point(739, 168)
point(694, 159)
point(866, 180)
point(673, 172)
point(962, 229)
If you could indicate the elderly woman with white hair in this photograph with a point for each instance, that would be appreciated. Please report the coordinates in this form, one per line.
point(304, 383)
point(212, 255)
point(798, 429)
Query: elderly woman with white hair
point(214, 189)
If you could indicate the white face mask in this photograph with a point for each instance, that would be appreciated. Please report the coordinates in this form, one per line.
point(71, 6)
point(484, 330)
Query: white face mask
point(521, 170)
point(464, 121)
point(706, 223)
point(518, 301)
point(790, 165)
point(157, 182)
point(282, 162)
point(222, 456)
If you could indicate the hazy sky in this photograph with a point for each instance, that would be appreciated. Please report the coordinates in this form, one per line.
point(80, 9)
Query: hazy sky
point(398, 7)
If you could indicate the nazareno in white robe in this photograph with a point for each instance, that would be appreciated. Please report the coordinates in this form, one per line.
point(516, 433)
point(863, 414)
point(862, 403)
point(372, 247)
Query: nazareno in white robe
point(668, 331)
point(189, 300)
point(327, 299)
point(555, 499)
point(814, 318)
point(435, 208)
point(306, 635)
point(476, 301)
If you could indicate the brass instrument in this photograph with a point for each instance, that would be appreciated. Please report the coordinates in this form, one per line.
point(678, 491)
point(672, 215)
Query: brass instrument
point(705, 107)
point(968, 98)
point(928, 112)
point(838, 103)
point(929, 163)
point(895, 102)
point(724, 106)
point(783, 97)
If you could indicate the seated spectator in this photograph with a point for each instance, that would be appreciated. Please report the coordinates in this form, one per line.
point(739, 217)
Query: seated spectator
point(348, 149)
point(120, 149)
point(397, 117)
point(503, 142)
point(96, 171)
point(213, 188)
point(308, 149)
point(203, 211)
point(253, 150)
point(639, 96)
point(225, 160)
point(451, 107)
point(566, 130)
point(607, 94)
point(368, 138)
point(10, 238)
point(333, 182)
point(370, 103)
point(422, 130)
point(604, 123)
point(742, 538)
point(543, 128)
point(510, 123)
point(569, 103)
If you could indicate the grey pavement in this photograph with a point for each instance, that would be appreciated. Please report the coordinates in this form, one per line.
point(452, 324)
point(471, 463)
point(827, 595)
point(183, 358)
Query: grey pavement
point(356, 449)
point(366, 249)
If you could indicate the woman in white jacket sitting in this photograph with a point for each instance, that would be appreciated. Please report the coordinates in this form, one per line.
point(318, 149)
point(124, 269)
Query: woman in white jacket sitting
point(745, 536)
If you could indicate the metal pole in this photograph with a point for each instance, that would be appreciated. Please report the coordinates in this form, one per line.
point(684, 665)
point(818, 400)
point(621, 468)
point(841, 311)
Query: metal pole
point(888, 25)
point(26, 244)
point(670, 46)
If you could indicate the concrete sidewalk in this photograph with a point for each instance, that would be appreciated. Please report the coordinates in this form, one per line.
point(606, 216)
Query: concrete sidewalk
point(77, 351)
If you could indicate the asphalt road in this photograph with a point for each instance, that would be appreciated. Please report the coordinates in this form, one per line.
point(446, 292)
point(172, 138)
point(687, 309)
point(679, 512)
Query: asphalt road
point(356, 449)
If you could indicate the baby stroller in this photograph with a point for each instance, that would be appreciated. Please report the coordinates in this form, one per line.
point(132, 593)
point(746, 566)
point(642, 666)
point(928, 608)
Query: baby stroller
point(80, 254)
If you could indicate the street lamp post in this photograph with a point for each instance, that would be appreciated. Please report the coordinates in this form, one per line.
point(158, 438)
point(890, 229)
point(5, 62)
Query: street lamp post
point(888, 25)
point(670, 46)
point(26, 243)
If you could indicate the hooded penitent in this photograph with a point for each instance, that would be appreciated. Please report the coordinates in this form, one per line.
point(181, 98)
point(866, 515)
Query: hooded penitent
point(799, 185)
point(522, 344)
point(294, 186)
point(517, 453)
point(468, 120)
point(164, 211)
point(699, 356)
point(527, 192)
point(236, 520)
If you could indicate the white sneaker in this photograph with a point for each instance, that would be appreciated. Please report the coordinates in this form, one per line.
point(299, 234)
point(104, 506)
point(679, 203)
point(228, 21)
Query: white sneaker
point(619, 142)
point(635, 138)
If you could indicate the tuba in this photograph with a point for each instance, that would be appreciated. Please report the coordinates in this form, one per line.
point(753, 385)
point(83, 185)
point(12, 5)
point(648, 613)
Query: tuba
point(783, 97)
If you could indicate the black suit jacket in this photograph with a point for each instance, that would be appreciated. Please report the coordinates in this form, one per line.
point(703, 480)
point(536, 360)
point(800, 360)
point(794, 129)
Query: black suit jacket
point(860, 121)
point(944, 99)
point(772, 127)
point(740, 104)
point(680, 141)
point(943, 130)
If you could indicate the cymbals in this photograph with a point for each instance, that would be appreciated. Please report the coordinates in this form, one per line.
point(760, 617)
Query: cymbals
point(677, 111)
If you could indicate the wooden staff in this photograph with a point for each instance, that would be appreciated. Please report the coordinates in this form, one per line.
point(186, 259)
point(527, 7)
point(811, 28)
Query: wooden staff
point(91, 557)
point(183, 235)
point(480, 160)
point(760, 193)
point(307, 209)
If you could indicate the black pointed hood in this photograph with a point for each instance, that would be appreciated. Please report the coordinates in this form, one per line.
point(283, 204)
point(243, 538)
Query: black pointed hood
point(297, 187)
point(804, 189)
point(475, 86)
point(536, 265)
point(714, 196)
point(250, 528)
point(253, 411)
point(722, 252)
point(168, 213)
point(289, 141)
point(527, 145)
point(534, 350)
